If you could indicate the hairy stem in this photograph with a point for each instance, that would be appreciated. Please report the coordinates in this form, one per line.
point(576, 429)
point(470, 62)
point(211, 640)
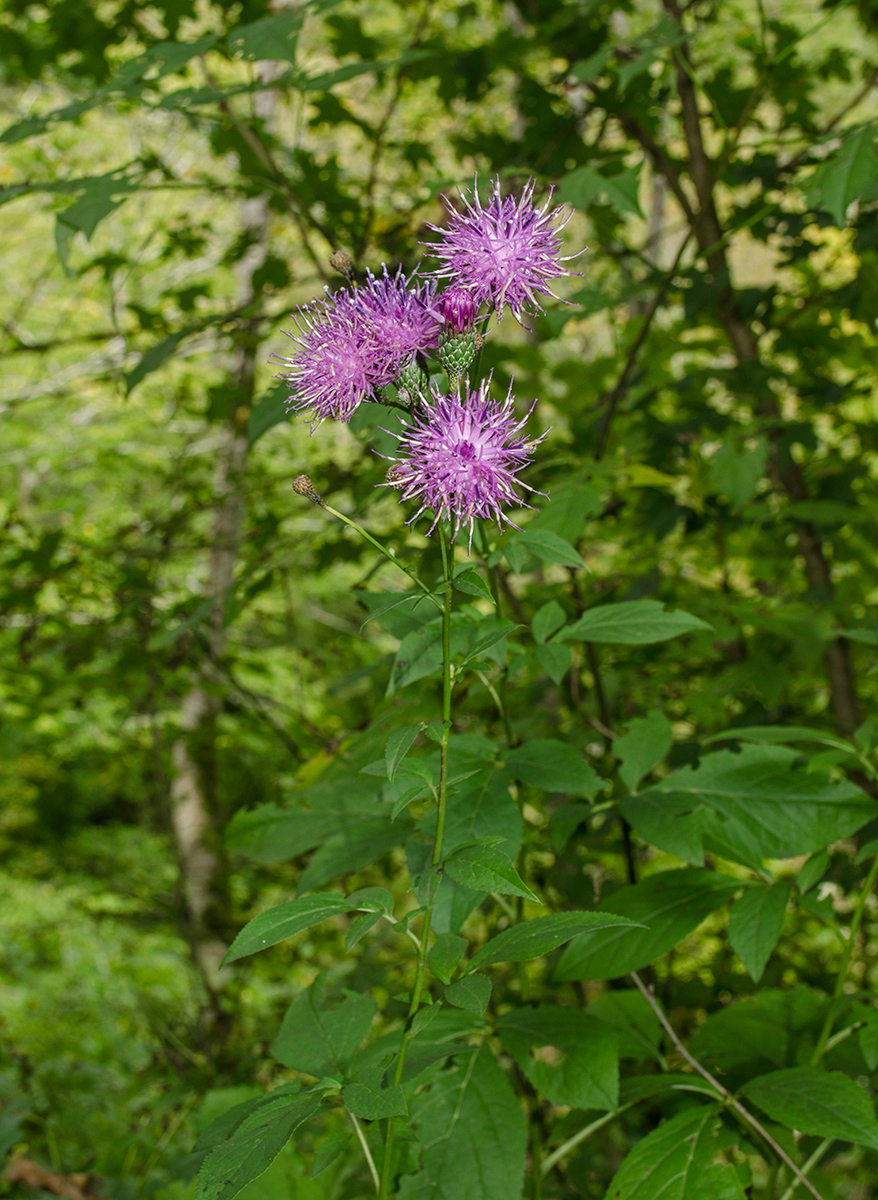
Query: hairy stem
point(865, 892)
point(447, 683)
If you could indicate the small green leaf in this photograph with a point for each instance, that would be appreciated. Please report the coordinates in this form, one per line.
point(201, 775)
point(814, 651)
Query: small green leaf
point(282, 922)
point(778, 735)
point(822, 1103)
point(564, 822)
point(471, 993)
point(397, 747)
point(584, 186)
point(755, 924)
point(374, 1104)
point(632, 623)
point(547, 620)
point(845, 175)
point(542, 935)
point(555, 659)
point(272, 38)
point(647, 742)
point(544, 544)
point(328, 1151)
point(813, 871)
point(445, 954)
point(567, 1055)
point(371, 899)
point(553, 766)
point(360, 928)
point(485, 869)
point(471, 582)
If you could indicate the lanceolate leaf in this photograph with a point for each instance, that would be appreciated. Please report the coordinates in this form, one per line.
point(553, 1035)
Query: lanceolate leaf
point(669, 904)
point(755, 923)
point(533, 939)
point(485, 869)
point(553, 766)
point(632, 623)
point(281, 922)
point(398, 745)
point(253, 1146)
point(823, 1103)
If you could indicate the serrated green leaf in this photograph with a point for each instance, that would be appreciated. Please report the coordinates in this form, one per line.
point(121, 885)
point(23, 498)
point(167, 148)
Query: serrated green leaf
point(272, 38)
point(822, 1103)
point(671, 904)
point(675, 1162)
point(445, 954)
point(645, 745)
point(471, 993)
point(555, 659)
point(283, 921)
point(755, 924)
point(374, 1104)
point(632, 623)
point(485, 869)
point(398, 745)
point(471, 582)
point(568, 1056)
point(542, 935)
point(553, 766)
point(253, 1147)
point(547, 620)
point(320, 1040)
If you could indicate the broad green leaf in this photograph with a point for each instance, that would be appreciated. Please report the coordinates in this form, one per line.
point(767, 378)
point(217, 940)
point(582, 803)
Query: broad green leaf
point(553, 766)
point(485, 869)
point(568, 1056)
point(633, 1021)
point(472, 1131)
point(547, 620)
point(542, 935)
point(471, 582)
point(671, 904)
point(676, 1162)
point(330, 1149)
point(253, 1147)
point(273, 38)
point(471, 993)
point(419, 655)
point(283, 921)
point(584, 186)
point(564, 822)
point(755, 923)
point(373, 1104)
point(221, 1128)
point(632, 623)
point(763, 804)
point(645, 745)
point(555, 659)
point(319, 1040)
point(845, 175)
point(672, 822)
point(269, 410)
point(354, 848)
point(445, 954)
point(544, 544)
point(398, 745)
point(822, 1103)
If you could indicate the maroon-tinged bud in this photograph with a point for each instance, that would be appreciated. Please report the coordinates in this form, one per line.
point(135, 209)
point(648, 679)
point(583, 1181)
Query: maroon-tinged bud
point(342, 262)
point(459, 310)
point(304, 487)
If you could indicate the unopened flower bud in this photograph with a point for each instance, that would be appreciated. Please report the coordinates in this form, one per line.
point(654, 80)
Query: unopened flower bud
point(413, 380)
point(459, 309)
point(456, 352)
point(304, 487)
point(342, 262)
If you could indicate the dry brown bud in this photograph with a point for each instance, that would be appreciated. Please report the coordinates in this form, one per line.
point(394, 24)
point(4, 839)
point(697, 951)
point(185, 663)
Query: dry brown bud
point(304, 487)
point(393, 475)
point(342, 262)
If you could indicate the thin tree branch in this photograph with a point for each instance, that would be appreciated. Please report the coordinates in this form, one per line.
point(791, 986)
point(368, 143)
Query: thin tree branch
point(724, 1092)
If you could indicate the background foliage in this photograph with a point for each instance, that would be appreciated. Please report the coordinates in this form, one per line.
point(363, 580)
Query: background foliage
point(178, 628)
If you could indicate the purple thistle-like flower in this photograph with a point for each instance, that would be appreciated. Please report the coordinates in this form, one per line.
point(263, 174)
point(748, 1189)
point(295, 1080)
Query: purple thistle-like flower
point(460, 456)
point(459, 309)
point(505, 252)
point(357, 341)
point(404, 316)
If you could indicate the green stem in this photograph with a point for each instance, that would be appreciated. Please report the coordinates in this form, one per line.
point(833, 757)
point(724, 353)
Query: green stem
point(388, 554)
point(865, 892)
point(806, 1167)
point(447, 683)
point(564, 1149)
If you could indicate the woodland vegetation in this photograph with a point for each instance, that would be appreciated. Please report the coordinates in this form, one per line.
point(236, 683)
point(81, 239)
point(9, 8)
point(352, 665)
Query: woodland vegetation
point(640, 959)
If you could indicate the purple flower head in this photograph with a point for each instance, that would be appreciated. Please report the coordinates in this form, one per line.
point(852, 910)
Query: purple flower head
point(505, 252)
point(357, 341)
point(336, 365)
point(459, 310)
point(460, 456)
point(404, 316)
